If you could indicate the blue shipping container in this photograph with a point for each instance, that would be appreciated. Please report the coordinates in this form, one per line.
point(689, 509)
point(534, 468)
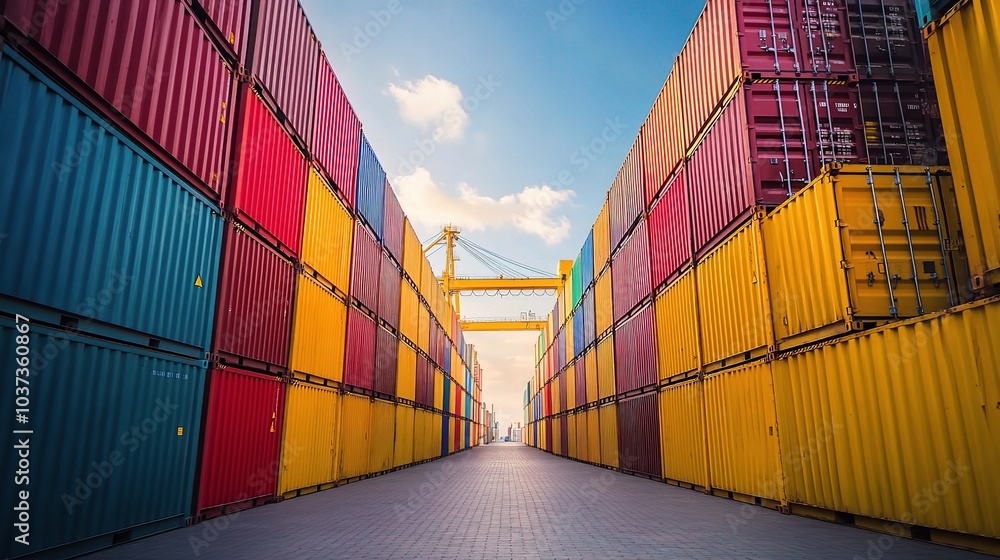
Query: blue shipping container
point(930, 10)
point(589, 318)
point(114, 444)
point(579, 332)
point(370, 200)
point(98, 233)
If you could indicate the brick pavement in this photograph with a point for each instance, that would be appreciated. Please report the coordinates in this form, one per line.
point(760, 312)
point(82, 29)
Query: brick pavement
point(512, 501)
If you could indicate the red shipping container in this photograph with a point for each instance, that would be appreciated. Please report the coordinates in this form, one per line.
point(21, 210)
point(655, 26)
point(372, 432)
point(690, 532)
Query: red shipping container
point(548, 434)
point(547, 400)
point(386, 356)
point(242, 441)
point(887, 40)
point(229, 21)
point(635, 352)
point(420, 392)
point(563, 388)
point(392, 236)
point(902, 123)
point(152, 62)
point(670, 238)
point(390, 283)
point(359, 361)
point(269, 178)
point(366, 263)
point(630, 274)
point(337, 132)
point(639, 435)
point(254, 319)
point(580, 371)
point(626, 199)
point(661, 137)
point(770, 140)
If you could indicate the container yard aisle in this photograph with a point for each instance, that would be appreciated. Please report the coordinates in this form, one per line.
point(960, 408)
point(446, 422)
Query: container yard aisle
point(513, 501)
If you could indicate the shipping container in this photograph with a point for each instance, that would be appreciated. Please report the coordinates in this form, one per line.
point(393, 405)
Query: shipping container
point(626, 197)
point(603, 302)
point(141, 221)
point(424, 382)
point(609, 434)
point(929, 10)
point(887, 41)
point(670, 250)
point(254, 318)
point(382, 435)
point(366, 264)
point(319, 329)
point(309, 445)
point(606, 386)
point(964, 57)
point(284, 60)
point(589, 324)
point(639, 435)
point(404, 447)
point(337, 132)
point(580, 382)
point(602, 239)
point(386, 362)
point(241, 442)
point(92, 395)
point(635, 352)
point(409, 311)
point(682, 434)
point(155, 67)
point(413, 254)
point(406, 372)
point(390, 279)
point(328, 236)
point(269, 176)
point(590, 361)
point(437, 380)
point(924, 390)
point(359, 361)
point(630, 276)
point(370, 197)
point(393, 224)
point(355, 436)
point(677, 343)
point(853, 269)
point(661, 137)
point(229, 22)
point(593, 429)
point(735, 324)
point(902, 124)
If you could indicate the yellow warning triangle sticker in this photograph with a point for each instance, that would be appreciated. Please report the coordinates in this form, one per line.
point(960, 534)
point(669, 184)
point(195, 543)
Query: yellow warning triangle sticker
point(197, 282)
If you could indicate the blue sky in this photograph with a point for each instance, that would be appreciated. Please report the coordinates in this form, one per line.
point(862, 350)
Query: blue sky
point(509, 119)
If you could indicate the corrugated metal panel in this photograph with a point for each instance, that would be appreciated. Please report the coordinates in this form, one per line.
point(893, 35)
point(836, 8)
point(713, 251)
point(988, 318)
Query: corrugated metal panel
point(438, 380)
point(735, 327)
point(662, 136)
point(639, 435)
point(85, 417)
point(887, 41)
point(389, 292)
point(626, 199)
point(593, 436)
point(606, 367)
point(824, 37)
point(284, 58)
point(359, 360)
point(413, 254)
point(635, 352)
point(603, 300)
point(630, 275)
point(370, 197)
point(589, 324)
point(393, 224)
point(355, 437)
point(409, 311)
point(564, 436)
point(231, 18)
point(406, 373)
point(270, 176)
point(902, 124)
point(386, 362)
point(964, 56)
point(309, 443)
point(403, 452)
point(255, 302)
point(602, 239)
point(366, 264)
point(682, 433)
point(587, 261)
point(242, 438)
point(382, 436)
point(152, 62)
point(446, 431)
point(580, 383)
point(328, 236)
point(318, 331)
point(592, 377)
point(924, 392)
point(557, 439)
point(337, 133)
point(423, 328)
point(670, 237)
point(677, 327)
point(609, 434)
point(743, 432)
point(424, 382)
point(115, 193)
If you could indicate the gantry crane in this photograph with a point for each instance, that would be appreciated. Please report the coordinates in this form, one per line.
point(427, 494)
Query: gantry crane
point(454, 285)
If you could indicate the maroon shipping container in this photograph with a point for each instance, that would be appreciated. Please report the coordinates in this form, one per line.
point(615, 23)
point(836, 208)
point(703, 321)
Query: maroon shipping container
point(390, 283)
point(564, 435)
point(366, 262)
point(153, 64)
point(627, 197)
point(769, 141)
point(580, 371)
point(420, 389)
point(392, 223)
point(902, 123)
point(548, 434)
point(635, 352)
point(824, 37)
point(630, 275)
point(269, 178)
point(887, 40)
point(386, 355)
point(284, 60)
point(337, 134)
point(359, 361)
point(563, 389)
point(639, 435)
point(253, 324)
point(229, 21)
point(242, 439)
point(670, 240)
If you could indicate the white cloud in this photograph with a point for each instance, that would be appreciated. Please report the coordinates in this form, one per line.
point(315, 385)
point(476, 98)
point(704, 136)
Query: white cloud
point(531, 211)
point(432, 103)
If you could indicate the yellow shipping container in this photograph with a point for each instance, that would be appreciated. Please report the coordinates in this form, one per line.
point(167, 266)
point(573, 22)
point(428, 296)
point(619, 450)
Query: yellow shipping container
point(965, 55)
point(682, 433)
point(571, 435)
point(318, 331)
point(590, 367)
point(899, 423)
point(409, 311)
point(328, 234)
point(832, 267)
point(606, 367)
point(733, 309)
point(413, 253)
point(570, 347)
point(593, 436)
point(438, 389)
point(382, 436)
point(428, 282)
point(354, 435)
point(676, 310)
point(581, 435)
point(309, 441)
point(421, 434)
point(603, 311)
point(602, 239)
point(404, 427)
point(423, 340)
point(609, 434)
point(406, 372)
point(743, 432)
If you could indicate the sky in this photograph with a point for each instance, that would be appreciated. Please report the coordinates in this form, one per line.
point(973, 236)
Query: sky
point(508, 119)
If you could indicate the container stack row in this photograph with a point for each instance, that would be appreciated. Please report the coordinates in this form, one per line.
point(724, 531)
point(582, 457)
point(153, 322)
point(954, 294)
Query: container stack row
point(735, 290)
point(216, 295)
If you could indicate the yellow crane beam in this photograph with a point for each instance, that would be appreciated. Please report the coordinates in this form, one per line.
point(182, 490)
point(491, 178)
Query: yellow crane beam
point(465, 284)
point(498, 326)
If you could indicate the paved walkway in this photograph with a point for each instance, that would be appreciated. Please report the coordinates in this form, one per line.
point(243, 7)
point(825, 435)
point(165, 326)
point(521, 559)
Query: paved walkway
point(511, 501)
